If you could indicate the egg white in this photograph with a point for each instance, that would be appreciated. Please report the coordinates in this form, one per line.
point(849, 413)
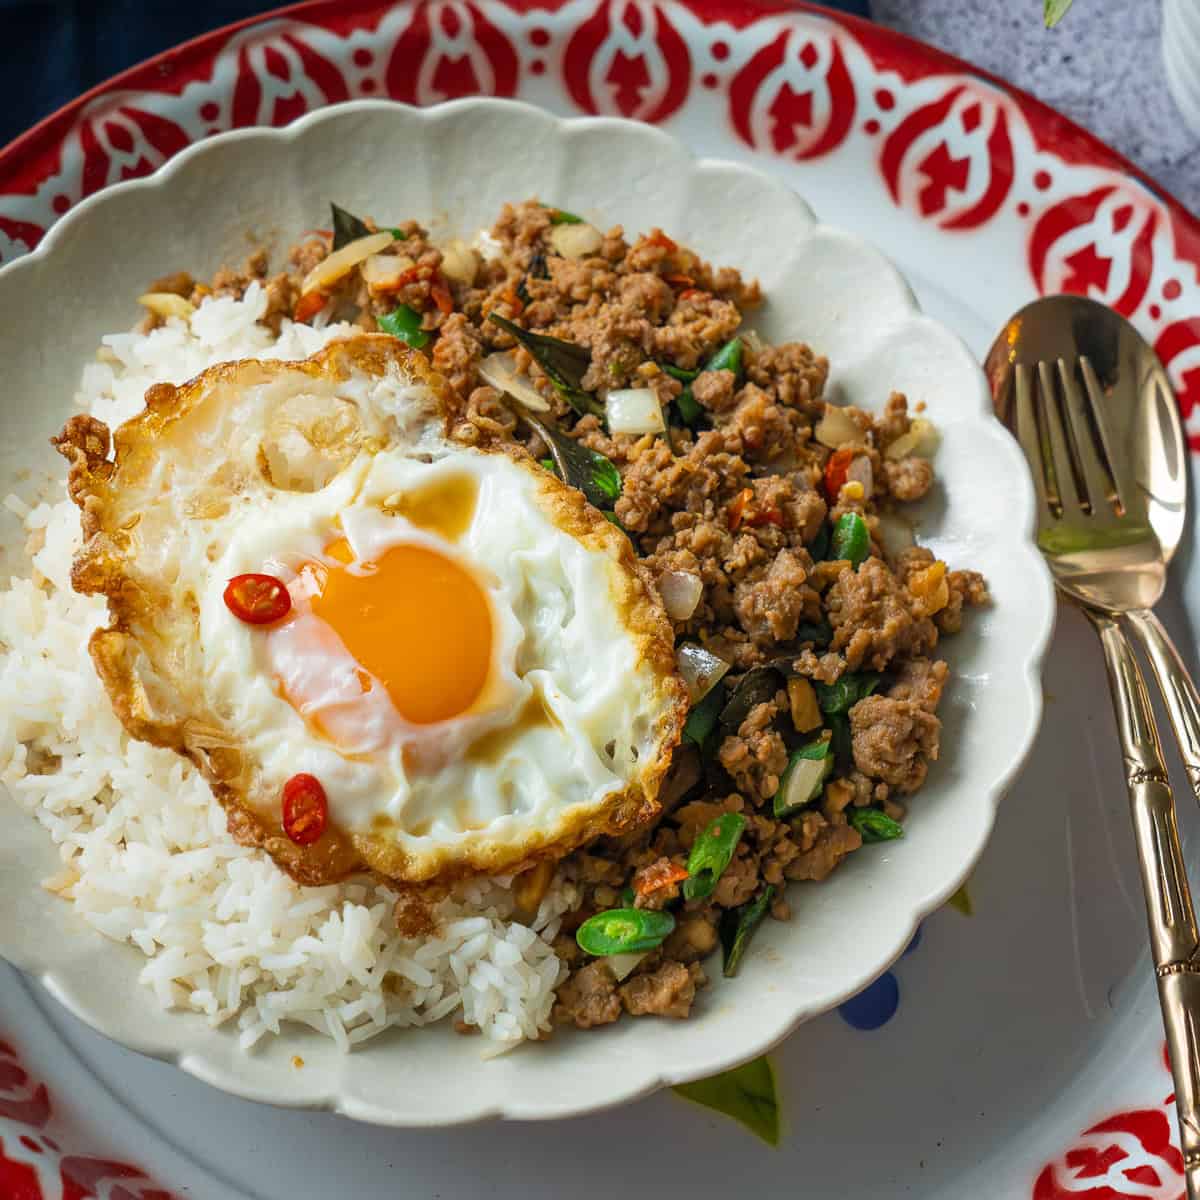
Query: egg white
point(556, 632)
point(260, 466)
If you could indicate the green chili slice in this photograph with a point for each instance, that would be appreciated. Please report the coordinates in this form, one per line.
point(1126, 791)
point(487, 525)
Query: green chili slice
point(737, 928)
point(804, 779)
point(875, 825)
point(850, 538)
point(711, 853)
point(404, 323)
point(728, 358)
point(560, 216)
point(624, 931)
point(547, 464)
point(679, 373)
point(842, 696)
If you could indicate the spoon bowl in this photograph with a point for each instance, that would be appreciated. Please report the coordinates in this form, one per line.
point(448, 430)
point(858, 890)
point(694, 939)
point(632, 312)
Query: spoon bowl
point(1091, 404)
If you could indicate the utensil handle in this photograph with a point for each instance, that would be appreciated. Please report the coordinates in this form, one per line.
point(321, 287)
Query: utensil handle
point(1178, 690)
point(1173, 935)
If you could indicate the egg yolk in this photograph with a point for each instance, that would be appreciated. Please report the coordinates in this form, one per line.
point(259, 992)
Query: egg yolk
point(416, 621)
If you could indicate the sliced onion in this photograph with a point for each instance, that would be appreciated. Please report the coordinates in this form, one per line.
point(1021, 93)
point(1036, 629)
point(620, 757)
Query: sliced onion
point(836, 428)
point(860, 471)
point(342, 261)
point(167, 304)
point(383, 270)
point(576, 241)
point(700, 669)
point(681, 592)
point(922, 439)
point(894, 534)
point(501, 372)
point(490, 248)
point(632, 410)
point(622, 965)
point(459, 262)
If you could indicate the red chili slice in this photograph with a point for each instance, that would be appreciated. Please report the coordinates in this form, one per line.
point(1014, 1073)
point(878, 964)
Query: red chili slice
point(515, 303)
point(835, 473)
point(658, 238)
point(737, 508)
point(680, 281)
point(308, 306)
point(768, 516)
point(257, 599)
point(305, 809)
point(691, 293)
point(658, 875)
point(439, 289)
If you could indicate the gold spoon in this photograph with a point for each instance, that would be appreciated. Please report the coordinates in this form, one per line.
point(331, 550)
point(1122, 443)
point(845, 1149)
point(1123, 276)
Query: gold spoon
point(1093, 410)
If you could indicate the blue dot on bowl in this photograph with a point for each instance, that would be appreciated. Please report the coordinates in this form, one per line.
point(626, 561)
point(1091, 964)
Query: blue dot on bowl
point(874, 1006)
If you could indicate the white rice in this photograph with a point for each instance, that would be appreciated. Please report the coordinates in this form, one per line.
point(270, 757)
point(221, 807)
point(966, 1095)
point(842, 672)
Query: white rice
point(146, 856)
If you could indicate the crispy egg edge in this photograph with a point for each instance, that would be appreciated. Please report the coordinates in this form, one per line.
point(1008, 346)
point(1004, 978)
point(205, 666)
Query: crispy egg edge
point(103, 463)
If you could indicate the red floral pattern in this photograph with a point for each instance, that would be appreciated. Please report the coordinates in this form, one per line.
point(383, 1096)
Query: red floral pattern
point(32, 1164)
point(954, 150)
point(952, 158)
point(795, 95)
point(1099, 244)
point(1130, 1155)
point(627, 59)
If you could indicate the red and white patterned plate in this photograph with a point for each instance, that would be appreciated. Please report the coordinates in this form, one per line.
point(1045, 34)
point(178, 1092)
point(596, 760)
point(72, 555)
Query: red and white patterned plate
point(1022, 1056)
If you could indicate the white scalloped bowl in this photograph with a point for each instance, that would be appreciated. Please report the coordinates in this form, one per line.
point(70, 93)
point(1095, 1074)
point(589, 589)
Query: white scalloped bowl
point(454, 165)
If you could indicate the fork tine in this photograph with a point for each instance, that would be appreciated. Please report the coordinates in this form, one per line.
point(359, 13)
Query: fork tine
point(1055, 442)
point(1090, 453)
point(1027, 428)
point(1104, 439)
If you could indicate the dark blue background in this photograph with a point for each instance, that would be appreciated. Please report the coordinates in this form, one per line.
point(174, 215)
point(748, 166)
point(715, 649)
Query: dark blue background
point(56, 49)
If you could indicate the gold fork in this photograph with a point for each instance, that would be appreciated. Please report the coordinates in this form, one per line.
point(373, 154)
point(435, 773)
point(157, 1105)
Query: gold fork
point(1055, 371)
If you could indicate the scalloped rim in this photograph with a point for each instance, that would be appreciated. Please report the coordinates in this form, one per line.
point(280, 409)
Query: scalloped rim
point(339, 1097)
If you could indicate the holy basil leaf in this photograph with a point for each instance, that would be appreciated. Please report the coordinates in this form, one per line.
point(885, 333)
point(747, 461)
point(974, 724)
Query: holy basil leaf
point(738, 926)
point(819, 633)
point(840, 740)
point(702, 720)
point(564, 363)
point(590, 472)
point(347, 227)
point(961, 900)
point(747, 1094)
point(757, 686)
point(560, 216)
point(1055, 11)
point(688, 408)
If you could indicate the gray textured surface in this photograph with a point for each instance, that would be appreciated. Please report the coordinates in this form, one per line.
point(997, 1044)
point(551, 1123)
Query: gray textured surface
point(1102, 67)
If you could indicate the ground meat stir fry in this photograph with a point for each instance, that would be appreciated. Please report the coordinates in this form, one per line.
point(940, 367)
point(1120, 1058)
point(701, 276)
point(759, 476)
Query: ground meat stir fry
point(765, 509)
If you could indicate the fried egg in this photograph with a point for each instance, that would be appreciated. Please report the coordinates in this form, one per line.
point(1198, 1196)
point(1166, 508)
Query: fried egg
point(473, 666)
